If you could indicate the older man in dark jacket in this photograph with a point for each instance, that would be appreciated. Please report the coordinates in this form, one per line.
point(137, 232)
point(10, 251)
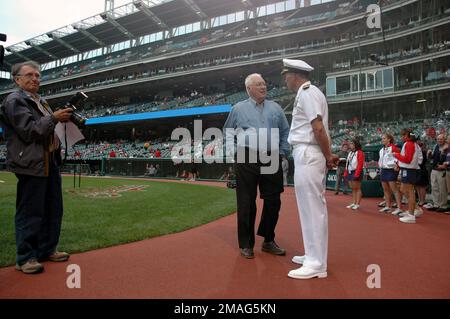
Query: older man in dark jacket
point(33, 154)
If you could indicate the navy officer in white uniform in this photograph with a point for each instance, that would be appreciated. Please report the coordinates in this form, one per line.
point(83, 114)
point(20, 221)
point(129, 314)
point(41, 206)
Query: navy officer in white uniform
point(310, 140)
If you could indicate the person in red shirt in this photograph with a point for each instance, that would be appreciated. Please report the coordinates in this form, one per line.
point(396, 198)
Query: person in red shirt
point(112, 154)
point(157, 153)
point(354, 172)
point(408, 160)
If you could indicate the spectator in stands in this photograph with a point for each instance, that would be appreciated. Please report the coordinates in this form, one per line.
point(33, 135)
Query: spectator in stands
point(389, 173)
point(340, 169)
point(409, 160)
point(34, 155)
point(245, 120)
point(423, 179)
point(354, 172)
point(157, 153)
point(112, 154)
point(438, 172)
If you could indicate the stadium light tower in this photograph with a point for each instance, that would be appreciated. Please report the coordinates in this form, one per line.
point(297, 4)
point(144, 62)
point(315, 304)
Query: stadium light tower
point(109, 5)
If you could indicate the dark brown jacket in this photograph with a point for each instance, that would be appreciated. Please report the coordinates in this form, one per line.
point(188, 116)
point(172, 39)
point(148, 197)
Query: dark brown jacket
point(28, 134)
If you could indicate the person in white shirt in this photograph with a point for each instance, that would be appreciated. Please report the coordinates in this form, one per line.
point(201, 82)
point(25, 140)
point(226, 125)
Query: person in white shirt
point(310, 140)
point(389, 173)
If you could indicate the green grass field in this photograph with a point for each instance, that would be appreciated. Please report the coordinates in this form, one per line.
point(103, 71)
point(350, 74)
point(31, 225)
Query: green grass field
point(106, 212)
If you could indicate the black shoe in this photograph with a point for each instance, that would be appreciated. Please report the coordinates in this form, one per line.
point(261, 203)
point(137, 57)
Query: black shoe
point(336, 193)
point(433, 208)
point(271, 247)
point(442, 209)
point(247, 253)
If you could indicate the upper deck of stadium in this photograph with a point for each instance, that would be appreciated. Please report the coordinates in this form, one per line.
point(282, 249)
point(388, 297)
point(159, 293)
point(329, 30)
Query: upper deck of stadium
point(137, 34)
point(159, 48)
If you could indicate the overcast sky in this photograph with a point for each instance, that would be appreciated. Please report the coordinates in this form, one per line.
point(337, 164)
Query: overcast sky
point(21, 20)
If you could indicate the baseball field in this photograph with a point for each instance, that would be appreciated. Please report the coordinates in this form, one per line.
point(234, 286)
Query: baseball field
point(105, 212)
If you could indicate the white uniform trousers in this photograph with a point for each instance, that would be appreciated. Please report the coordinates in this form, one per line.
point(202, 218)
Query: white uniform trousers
point(309, 180)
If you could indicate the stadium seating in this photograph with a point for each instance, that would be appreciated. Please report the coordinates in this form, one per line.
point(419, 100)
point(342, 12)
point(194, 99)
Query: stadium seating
point(369, 134)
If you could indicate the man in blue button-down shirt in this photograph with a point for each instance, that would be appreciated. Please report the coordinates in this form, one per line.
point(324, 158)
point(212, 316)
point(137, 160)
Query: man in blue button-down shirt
point(261, 130)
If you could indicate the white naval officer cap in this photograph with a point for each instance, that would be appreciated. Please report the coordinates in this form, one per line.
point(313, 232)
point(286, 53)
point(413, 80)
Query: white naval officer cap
point(290, 65)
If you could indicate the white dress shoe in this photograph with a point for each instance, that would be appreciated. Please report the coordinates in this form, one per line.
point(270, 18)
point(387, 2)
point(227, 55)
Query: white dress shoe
point(306, 273)
point(298, 259)
point(350, 206)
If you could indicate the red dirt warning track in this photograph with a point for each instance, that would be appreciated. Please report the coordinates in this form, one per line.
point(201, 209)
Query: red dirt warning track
point(205, 263)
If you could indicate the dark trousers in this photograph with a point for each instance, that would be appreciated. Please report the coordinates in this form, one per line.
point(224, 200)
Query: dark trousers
point(248, 177)
point(39, 211)
point(340, 179)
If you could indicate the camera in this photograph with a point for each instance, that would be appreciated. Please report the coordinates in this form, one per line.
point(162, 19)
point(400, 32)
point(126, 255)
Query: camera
point(77, 101)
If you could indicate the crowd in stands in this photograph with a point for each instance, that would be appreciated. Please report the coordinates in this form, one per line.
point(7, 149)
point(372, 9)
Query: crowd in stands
point(254, 55)
point(158, 148)
point(397, 55)
point(194, 99)
point(370, 133)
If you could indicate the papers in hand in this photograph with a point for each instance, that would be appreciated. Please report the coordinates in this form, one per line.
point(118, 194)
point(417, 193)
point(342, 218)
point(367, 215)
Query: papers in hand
point(70, 131)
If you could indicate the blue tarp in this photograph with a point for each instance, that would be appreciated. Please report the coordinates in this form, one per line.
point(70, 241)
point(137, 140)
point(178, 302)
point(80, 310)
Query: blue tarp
point(203, 110)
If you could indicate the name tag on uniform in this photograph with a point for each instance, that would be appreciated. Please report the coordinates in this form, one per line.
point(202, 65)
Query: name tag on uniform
point(404, 173)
